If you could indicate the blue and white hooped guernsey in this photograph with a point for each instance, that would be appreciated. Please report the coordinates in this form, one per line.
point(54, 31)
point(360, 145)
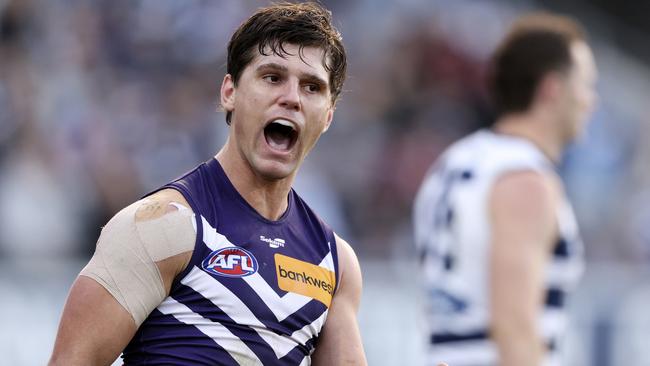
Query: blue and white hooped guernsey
point(453, 236)
point(256, 292)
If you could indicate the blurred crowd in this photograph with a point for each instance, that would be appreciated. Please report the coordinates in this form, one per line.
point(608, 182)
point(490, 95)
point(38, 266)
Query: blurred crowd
point(103, 101)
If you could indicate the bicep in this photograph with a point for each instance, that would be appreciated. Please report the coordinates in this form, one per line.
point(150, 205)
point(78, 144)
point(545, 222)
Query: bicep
point(94, 327)
point(340, 340)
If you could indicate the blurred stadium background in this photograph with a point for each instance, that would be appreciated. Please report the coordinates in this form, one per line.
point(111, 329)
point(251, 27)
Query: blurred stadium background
point(102, 101)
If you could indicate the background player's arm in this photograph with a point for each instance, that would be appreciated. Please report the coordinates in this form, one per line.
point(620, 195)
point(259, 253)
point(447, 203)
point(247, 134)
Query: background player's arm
point(340, 340)
point(522, 213)
point(95, 327)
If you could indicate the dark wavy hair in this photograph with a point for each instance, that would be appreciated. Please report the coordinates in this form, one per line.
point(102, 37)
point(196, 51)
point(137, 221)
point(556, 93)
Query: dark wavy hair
point(270, 28)
point(536, 44)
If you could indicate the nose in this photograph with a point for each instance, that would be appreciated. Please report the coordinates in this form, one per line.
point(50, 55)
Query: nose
point(290, 97)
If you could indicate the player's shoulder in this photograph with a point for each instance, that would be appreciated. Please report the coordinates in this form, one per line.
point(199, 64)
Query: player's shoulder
point(159, 212)
point(488, 150)
point(159, 204)
point(527, 180)
point(343, 245)
point(527, 189)
point(499, 155)
point(348, 260)
point(349, 279)
point(162, 223)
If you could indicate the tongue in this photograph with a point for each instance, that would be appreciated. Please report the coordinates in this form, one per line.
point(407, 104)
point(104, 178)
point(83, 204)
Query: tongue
point(278, 140)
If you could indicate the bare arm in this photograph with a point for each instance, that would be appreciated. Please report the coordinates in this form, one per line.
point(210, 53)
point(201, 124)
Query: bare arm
point(522, 212)
point(340, 340)
point(95, 327)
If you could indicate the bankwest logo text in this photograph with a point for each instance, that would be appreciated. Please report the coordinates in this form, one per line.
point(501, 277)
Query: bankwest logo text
point(305, 278)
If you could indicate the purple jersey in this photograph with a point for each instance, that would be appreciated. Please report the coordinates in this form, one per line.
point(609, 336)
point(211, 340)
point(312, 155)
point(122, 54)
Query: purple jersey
point(255, 291)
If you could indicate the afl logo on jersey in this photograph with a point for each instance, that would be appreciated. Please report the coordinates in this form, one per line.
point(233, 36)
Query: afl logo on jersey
point(230, 262)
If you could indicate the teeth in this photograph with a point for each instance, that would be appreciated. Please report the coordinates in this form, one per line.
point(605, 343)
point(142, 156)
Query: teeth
point(284, 122)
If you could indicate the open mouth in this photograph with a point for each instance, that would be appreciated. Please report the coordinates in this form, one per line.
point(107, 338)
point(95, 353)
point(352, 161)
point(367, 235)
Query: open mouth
point(280, 134)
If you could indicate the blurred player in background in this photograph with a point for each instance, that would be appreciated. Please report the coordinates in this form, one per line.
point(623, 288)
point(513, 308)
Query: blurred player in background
point(498, 240)
point(227, 265)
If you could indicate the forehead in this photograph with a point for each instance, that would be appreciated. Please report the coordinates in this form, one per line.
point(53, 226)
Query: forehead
point(310, 60)
point(583, 58)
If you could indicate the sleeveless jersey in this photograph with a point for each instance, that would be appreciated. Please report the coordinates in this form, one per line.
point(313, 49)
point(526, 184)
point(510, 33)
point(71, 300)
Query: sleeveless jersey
point(452, 233)
point(256, 292)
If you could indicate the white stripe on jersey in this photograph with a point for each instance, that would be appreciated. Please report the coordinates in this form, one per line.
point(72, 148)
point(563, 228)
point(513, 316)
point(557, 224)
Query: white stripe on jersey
point(306, 361)
point(212, 238)
point(553, 322)
point(281, 306)
point(463, 323)
point(228, 341)
point(310, 330)
point(562, 274)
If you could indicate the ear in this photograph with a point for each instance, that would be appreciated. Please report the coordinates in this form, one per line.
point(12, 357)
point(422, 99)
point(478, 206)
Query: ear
point(550, 88)
point(228, 93)
point(328, 122)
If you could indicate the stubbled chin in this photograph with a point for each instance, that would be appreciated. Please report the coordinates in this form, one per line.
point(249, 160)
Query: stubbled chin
point(274, 170)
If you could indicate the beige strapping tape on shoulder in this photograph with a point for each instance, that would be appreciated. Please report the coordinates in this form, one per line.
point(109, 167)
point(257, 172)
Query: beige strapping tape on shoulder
point(127, 251)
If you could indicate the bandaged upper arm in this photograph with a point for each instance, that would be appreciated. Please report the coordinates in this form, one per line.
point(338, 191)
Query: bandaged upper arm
point(128, 248)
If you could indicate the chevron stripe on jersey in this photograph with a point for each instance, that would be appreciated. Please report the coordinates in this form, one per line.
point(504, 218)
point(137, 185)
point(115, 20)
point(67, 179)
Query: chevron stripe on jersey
point(219, 333)
point(218, 316)
point(280, 306)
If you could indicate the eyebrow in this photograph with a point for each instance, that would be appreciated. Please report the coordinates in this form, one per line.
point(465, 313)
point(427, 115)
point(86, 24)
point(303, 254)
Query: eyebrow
point(303, 75)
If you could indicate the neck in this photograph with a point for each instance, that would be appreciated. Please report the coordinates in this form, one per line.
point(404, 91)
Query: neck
point(534, 129)
point(269, 197)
